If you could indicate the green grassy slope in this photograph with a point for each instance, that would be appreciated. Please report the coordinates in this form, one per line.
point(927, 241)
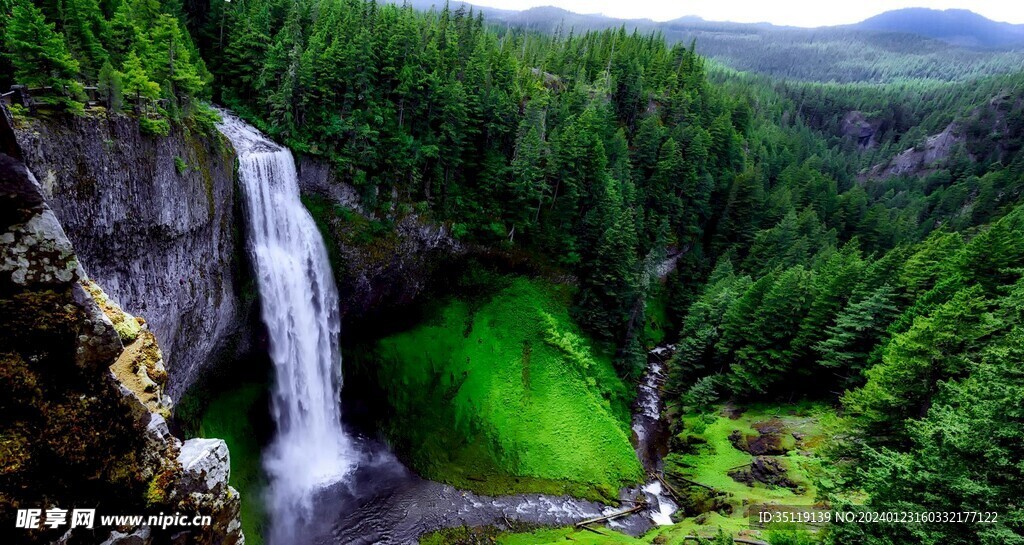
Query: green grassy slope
point(502, 394)
point(682, 533)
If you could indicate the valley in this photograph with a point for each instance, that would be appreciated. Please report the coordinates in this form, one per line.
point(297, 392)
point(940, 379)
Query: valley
point(348, 272)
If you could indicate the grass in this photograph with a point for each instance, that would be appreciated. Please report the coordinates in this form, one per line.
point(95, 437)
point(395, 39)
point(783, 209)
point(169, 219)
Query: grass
point(229, 417)
point(524, 401)
point(665, 535)
point(710, 462)
point(676, 534)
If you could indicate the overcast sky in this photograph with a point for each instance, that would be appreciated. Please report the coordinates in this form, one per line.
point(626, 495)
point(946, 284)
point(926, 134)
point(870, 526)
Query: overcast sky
point(806, 13)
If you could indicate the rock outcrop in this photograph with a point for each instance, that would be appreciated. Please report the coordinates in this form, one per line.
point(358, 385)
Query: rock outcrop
point(74, 434)
point(921, 159)
point(152, 220)
point(856, 127)
point(378, 263)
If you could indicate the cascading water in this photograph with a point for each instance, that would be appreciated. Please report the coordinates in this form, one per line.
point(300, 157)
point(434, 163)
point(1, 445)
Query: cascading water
point(300, 309)
point(650, 430)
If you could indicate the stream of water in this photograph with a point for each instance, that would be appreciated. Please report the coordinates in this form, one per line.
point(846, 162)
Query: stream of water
point(299, 303)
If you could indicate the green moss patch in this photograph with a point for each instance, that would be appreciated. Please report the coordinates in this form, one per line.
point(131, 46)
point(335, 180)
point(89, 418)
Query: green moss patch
point(710, 448)
point(679, 534)
point(230, 417)
point(502, 394)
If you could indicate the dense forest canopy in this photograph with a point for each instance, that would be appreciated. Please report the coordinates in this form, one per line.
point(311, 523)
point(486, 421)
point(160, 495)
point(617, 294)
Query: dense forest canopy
point(600, 153)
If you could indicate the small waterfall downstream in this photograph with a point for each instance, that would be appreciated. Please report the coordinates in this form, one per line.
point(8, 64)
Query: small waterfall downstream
point(650, 432)
point(300, 309)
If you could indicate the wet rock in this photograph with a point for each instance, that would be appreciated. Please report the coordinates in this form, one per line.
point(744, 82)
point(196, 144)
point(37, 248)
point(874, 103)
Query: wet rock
point(376, 272)
point(732, 412)
point(141, 536)
point(34, 251)
point(98, 342)
point(765, 470)
point(315, 177)
point(696, 500)
point(770, 440)
point(205, 464)
point(102, 444)
point(664, 352)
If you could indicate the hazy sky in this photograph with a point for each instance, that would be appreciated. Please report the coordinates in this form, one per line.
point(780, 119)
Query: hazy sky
point(806, 13)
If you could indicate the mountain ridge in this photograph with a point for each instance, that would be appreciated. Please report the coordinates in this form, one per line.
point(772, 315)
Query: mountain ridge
point(959, 27)
point(839, 54)
point(955, 26)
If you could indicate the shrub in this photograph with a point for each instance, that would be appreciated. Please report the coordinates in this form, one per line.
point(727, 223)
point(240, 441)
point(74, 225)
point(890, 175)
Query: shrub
point(154, 126)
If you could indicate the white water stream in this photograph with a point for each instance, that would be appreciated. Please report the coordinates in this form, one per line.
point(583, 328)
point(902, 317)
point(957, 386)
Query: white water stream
point(300, 309)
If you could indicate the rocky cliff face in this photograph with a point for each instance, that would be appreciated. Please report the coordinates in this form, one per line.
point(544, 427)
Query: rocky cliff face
point(379, 263)
point(922, 159)
point(152, 220)
point(82, 397)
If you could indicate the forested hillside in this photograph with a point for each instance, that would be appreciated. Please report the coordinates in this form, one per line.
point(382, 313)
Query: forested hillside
point(896, 49)
point(798, 271)
point(587, 162)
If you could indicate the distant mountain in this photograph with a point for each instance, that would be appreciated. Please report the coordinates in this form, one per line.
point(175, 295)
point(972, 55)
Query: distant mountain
point(955, 26)
point(828, 54)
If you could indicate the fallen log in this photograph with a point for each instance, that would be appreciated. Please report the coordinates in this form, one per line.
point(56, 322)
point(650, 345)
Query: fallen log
point(695, 483)
point(742, 540)
point(606, 518)
point(671, 489)
point(589, 529)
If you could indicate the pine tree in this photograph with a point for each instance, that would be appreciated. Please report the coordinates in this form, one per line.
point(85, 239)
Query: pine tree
point(123, 34)
point(85, 30)
point(766, 356)
point(664, 193)
point(857, 331)
point(528, 182)
point(941, 346)
point(646, 144)
point(609, 273)
point(136, 82)
point(110, 87)
point(39, 54)
point(170, 60)
point(836, 277)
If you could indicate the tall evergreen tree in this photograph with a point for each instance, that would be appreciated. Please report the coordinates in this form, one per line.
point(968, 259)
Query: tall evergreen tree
point(39, 55)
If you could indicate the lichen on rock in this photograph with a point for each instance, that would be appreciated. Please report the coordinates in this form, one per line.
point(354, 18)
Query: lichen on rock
point(74, 433)
point(140, 366)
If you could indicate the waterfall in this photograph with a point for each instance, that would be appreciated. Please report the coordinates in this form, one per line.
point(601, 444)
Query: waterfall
point(300, 309)
point(651, 433)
